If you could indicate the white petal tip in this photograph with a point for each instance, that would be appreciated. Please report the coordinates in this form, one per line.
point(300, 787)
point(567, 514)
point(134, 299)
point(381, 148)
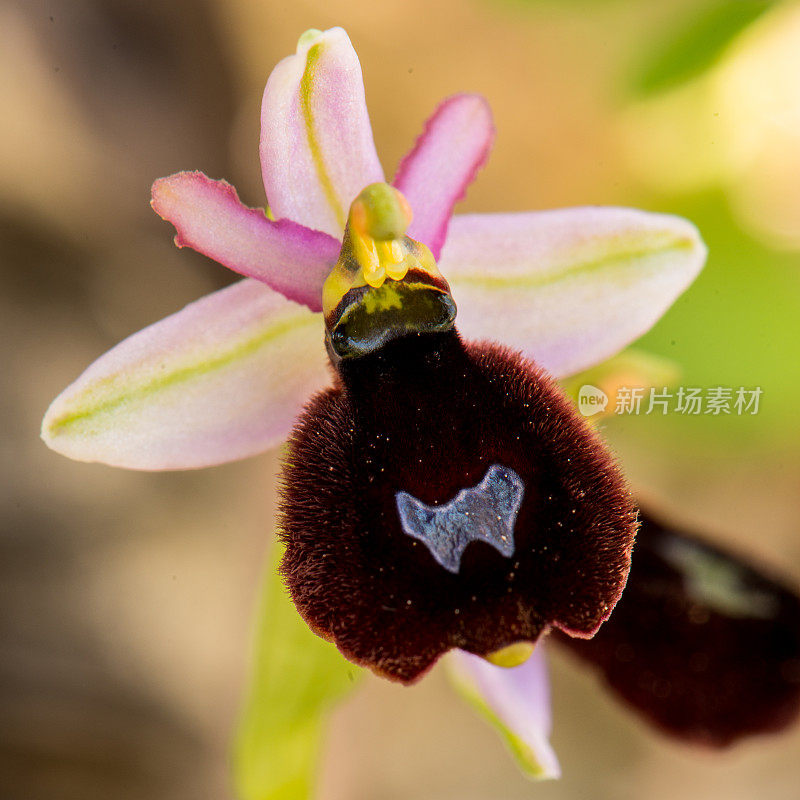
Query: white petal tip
point(308, 39)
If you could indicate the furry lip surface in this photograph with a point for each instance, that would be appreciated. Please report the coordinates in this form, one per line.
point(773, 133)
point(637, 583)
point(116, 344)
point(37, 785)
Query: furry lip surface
point(705, 646)
point(428, 415)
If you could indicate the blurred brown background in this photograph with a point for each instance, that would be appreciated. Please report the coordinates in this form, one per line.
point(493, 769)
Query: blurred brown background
point(126, 598)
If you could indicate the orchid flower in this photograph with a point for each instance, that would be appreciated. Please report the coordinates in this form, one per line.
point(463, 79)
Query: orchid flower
point(439, 495)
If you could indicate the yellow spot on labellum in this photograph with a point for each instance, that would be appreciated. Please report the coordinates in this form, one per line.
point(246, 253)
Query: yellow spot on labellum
point(511, 656)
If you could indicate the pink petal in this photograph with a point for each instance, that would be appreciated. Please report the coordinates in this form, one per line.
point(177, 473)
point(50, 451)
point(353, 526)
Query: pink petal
point(569, 287)
point(434, 176)
point(516, 701)
point(317, 151)
point(220, 380)
point(210, 218)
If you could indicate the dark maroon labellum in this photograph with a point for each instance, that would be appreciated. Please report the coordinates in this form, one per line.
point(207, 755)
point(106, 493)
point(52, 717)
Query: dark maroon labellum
point(706, 647)
point(428, 417)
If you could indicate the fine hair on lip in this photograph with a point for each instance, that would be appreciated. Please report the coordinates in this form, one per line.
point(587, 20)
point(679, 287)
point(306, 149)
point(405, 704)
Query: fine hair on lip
point(428, 415)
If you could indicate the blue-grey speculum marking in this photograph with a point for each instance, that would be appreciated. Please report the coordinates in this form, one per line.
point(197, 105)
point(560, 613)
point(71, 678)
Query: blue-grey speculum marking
point(483, 513)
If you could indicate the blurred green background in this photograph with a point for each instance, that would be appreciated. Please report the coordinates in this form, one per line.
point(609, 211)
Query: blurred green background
point(126, 599)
